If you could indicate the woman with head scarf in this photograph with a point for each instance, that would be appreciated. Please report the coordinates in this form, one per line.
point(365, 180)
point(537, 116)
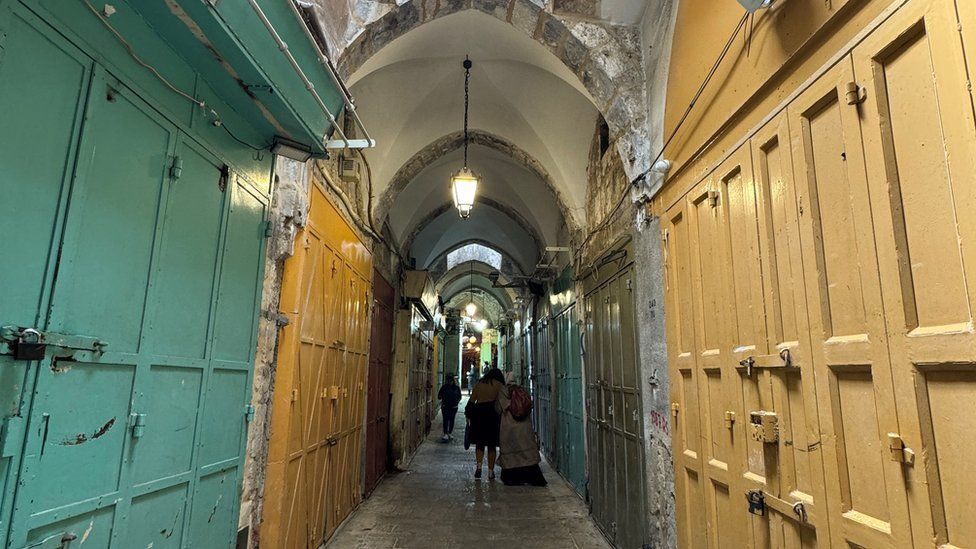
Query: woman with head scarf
point(483, 420)
point(518, 446)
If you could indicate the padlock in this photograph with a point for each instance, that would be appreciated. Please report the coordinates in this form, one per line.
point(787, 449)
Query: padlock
point(757, 502)
point(29, 346)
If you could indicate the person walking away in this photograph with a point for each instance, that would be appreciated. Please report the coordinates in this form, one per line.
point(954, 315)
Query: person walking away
point(483, 420)
point(450, 396)
point(472, 378)
point(518, 452)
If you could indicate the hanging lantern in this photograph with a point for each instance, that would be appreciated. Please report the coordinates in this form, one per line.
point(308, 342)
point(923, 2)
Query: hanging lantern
point(464, 186)
point(471, 308)
point(464, 183)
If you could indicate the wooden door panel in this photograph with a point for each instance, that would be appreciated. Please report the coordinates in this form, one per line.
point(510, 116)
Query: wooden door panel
point(865, 495)
point(920, 149)
point(793, 465)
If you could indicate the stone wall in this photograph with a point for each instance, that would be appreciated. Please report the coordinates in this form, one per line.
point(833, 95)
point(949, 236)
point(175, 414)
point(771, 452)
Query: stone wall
point(607, 183)
point(289, 210)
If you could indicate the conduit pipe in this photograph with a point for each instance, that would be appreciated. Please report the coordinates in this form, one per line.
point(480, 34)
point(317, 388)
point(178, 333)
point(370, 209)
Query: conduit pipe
point(283, 47)
point(327, 63)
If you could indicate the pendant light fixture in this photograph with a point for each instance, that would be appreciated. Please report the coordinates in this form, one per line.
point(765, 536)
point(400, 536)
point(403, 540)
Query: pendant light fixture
point(464, 183)
point(471, 308)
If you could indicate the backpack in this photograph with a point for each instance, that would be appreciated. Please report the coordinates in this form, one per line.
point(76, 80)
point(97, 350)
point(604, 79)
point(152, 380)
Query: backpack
point(521, 403)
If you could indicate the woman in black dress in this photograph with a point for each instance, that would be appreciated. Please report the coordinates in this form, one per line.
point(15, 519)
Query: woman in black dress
point(483, 420)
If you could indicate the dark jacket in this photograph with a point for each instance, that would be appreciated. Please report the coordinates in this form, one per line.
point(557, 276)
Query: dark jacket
point(449, 395)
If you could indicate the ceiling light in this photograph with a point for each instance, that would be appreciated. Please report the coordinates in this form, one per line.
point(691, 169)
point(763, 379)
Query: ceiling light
point(464, 183)
point(471, 308)
point(291, 149)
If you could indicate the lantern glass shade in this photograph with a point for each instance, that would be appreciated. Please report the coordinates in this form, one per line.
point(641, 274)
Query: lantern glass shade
point(471, 308)
point(464, 187)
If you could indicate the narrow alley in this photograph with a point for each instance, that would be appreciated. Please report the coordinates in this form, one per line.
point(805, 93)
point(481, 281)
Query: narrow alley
point(705, 266)
point(437, 502)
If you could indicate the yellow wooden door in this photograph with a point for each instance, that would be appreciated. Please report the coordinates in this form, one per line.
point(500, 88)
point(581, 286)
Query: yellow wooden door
point(865, 494)
point(315, 447)
point(715, 366)
point(920, 148)
point(745, 341)
point(683, 373)
point(789, 469)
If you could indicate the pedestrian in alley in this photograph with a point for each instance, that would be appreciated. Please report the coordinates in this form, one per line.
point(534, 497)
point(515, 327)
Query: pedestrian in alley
point(472, 378)
point(483, 419)
point(450, 396)
point(518, 445)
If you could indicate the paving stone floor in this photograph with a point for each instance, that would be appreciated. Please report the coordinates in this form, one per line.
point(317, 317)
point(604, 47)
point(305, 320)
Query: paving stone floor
point(437, 504)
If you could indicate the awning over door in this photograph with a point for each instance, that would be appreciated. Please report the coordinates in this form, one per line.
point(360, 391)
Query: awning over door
point(258, 56)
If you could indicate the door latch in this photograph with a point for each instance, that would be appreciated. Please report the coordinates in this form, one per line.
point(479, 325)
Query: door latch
point(898, 451)
point(764, 426)
point(757, 502)
point(31, 343)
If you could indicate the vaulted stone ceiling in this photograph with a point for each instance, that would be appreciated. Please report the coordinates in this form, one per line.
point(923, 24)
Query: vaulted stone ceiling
point(542, 76)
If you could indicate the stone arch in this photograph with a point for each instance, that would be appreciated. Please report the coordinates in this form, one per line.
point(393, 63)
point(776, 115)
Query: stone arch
point(448, 279)
point(511, 213)
point(607, 60)
point(454, 141)
point(494, 314)
point(438, 267)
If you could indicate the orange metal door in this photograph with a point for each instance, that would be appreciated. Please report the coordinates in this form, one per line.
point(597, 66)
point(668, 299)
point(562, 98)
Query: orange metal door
point(315, 447)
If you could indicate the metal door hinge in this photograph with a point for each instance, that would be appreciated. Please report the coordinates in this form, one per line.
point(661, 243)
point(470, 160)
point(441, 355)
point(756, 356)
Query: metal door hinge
point(12, 436)
point(138, 422)
point(268, 229)
point(856, 94)
point(898, 451)
point(249, 413)
point(712, 198)
point(675, 407)
point(729, 419)
point(176, 168)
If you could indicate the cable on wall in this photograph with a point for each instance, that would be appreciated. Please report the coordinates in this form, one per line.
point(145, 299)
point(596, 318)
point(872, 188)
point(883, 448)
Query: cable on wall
point(684, 117)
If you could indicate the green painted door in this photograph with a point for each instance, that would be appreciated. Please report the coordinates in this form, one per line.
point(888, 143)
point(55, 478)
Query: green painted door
point(570, 449)
point(43, 83)
point(142, 444)
point(541, 376)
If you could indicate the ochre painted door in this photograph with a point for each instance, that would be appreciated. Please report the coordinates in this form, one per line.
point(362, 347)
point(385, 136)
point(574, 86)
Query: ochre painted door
point(920, 150)
point(378, 382)
point(865, 495)
point(844, 223)
point(315, 451)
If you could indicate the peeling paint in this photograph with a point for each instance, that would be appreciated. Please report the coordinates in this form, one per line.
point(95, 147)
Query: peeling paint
point(82, 438)
point(88, 531)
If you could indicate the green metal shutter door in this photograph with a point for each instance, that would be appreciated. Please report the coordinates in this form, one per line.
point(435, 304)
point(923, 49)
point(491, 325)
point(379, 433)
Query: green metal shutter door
point(168, 271)
point(42, 88)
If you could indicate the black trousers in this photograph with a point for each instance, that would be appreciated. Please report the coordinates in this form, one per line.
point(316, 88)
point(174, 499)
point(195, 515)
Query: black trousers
point(448, 415)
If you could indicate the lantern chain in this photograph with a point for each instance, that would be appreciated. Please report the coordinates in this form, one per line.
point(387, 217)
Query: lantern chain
point(467, 78)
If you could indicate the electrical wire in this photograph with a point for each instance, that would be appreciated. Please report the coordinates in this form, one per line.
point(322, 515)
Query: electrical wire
point(684, 117)
point(217, 120)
